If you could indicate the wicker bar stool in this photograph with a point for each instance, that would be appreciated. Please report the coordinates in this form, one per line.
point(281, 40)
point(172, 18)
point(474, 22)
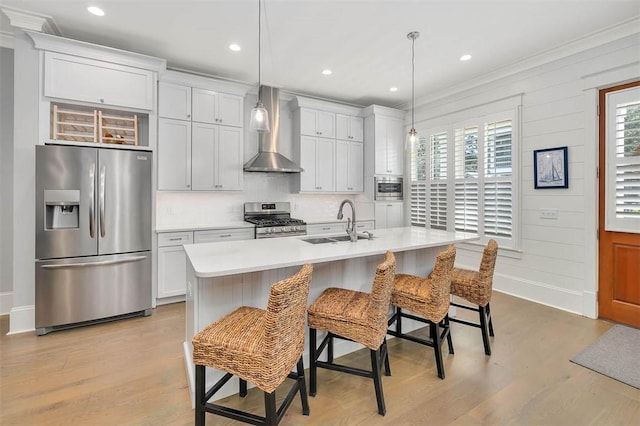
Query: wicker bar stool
point(259, 346)
point(429, 298)
point(476, 288)
point(356, 316)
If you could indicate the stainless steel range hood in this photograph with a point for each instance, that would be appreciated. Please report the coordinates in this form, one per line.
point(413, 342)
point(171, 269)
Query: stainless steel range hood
point(268, 159)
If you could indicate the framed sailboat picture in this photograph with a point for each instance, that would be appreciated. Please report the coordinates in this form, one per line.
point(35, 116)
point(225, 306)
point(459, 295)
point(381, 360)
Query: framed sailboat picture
point(551, 168)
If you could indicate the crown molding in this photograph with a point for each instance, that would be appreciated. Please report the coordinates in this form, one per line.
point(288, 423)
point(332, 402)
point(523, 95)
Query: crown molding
point(68, 46)
point(6, 39)
point(31, 21)
point(606, 35)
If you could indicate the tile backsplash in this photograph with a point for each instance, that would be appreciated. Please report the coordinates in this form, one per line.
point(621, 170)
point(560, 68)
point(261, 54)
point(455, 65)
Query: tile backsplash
point(194, 208)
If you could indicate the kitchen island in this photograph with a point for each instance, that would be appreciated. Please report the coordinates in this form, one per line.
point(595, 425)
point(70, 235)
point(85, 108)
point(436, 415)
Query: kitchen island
point(224, 276)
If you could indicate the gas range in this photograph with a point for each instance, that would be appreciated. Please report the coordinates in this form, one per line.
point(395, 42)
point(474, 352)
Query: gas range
point(273, 220)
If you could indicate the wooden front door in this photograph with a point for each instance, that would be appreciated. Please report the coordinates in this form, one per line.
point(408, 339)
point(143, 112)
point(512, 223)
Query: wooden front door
point(619, 204)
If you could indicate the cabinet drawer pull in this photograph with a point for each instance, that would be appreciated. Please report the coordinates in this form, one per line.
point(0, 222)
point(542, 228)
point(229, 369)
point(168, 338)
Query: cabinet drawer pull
point(326, 229)
point(175, 239)
point(225, 235)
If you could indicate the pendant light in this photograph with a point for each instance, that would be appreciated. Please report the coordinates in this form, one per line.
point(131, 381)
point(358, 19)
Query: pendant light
point(259, 115)
point(412, 136)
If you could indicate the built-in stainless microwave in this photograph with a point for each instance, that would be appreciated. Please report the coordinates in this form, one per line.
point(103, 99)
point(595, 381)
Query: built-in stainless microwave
point(388, 188)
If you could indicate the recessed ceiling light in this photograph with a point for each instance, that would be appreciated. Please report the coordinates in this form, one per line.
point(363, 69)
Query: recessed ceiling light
point(327, 72)
point(95, 10)
point(465, 57)
point(393, 89)
point(234, 47)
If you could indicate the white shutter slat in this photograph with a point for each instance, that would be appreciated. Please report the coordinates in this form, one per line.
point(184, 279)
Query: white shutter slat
point(418, 203)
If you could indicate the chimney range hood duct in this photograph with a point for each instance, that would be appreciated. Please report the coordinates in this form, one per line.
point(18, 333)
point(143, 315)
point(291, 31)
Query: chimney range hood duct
point(268, 159)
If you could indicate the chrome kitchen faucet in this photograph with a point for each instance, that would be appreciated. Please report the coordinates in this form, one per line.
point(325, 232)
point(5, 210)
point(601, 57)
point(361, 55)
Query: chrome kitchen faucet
point(351, 222)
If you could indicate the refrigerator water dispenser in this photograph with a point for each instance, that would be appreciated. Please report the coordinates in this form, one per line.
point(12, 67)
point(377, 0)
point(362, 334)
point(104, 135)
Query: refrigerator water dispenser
point(62, 209)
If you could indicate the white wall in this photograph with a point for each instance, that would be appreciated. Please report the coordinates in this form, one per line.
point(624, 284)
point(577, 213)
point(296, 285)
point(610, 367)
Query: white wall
point(25, 136)
point(6, 170)
point(557, 265)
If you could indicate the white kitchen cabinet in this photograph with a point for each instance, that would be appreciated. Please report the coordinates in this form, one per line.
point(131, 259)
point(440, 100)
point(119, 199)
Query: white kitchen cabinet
point(389, 146)
point(349, 128)
point(172, 260)
point(325, 228)
point(174, 101)
point(338, 227)
point(389, 215)
point(216, 157)
point(349, 166)
point(227, 234)
point(99, 82)
point(317, 123)
point(365, 225)
point(317, 158)
point(174, 154)
point(172, 263)
point(217, 108)
point(384, 142)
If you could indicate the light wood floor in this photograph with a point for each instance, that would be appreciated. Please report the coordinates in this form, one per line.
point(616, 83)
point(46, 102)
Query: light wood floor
point(131, 372)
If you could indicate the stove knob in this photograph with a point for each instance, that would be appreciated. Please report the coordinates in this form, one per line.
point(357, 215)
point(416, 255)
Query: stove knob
point(267, 230)
point(296, 228)
point(286, 229)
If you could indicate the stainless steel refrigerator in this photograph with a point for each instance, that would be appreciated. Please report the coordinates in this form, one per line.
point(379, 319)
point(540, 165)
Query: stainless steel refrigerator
point(93, 235)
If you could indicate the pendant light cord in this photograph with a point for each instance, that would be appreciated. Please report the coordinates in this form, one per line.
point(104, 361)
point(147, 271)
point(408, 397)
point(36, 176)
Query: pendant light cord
point(259, 49)
point(413, 73)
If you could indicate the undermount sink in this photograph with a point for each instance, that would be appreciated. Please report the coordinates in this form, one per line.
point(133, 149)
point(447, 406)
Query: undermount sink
point(324, 240)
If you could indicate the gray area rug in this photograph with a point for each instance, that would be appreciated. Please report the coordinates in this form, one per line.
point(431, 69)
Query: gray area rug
point(615, 354)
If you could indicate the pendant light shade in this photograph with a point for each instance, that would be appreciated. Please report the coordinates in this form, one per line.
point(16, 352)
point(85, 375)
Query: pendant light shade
point(412, 136)
point(259, 115)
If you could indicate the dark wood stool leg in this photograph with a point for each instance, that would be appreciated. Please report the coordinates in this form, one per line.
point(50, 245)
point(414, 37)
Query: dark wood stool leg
point(490, 320)
point(447, 324)
point(302, 387)
point(199, 395)
point(313, 369)
point(385, 354)
point(437, 348)
point(271, 415)
point(377, 380)
point(484, 327)
point(330, 348)
point(243, 388)
point(398, 320)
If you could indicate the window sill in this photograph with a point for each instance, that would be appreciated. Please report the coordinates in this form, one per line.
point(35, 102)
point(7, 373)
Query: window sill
point(479, 247)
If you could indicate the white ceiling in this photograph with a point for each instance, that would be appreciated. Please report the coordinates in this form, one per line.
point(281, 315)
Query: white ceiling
point(363, 41)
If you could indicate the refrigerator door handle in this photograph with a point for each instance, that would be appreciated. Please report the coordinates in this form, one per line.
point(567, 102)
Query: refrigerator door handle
point(103, 171)
point(92, 200)
point(99, 263)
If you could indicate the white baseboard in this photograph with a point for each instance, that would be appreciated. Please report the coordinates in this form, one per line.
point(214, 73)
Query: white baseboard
point(6, 302)
point(22, 319)
point(545, 294)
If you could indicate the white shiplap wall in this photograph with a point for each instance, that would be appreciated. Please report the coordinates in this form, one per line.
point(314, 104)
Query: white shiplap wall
point(557, 263)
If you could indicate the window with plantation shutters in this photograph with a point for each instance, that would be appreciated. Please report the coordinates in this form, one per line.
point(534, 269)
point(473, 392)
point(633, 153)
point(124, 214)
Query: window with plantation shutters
point(622, 202)
point(463, 178)
point(498, 188)
point(466, 179)
point(418, 185)
point(438, 181)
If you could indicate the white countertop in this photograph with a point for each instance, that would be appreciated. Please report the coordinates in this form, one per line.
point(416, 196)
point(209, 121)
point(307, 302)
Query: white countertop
point(204, 226)
point(236, 257)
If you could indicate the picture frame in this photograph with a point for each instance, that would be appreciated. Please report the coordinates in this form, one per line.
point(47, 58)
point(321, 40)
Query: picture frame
point(551, 168)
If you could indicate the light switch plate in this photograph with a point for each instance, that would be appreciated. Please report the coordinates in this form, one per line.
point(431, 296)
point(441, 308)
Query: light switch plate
point(548, 213)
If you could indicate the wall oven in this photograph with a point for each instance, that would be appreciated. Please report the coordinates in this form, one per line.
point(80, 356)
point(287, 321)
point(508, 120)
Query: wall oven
point(388, 188)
